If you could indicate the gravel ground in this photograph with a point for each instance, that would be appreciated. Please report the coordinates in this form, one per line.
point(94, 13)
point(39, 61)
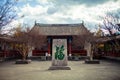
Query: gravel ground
point(38, 70)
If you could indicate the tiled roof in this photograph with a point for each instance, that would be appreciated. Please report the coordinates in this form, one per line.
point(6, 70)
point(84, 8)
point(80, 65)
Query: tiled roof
point(60, 29)
point(105, 39)
point(58, 25)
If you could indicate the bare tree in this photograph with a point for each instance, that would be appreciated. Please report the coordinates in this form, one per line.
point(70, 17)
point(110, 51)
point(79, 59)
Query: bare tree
point(80, 39)
point(86, 41)
point(22, 40)
point(26, 40)
point(111, 25)
point(7, 12)
point(37, 40)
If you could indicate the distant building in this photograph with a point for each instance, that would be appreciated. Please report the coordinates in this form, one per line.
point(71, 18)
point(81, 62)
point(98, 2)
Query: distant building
point(65, 31)
point(7, 49)
point(51, 31)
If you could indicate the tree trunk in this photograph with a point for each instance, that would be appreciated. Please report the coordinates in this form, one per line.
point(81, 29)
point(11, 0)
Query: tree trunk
point(91, 53)
point(24, 56)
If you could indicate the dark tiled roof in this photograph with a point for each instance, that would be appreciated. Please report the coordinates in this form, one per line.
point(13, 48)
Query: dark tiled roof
point(60, 29)
point(58, 25)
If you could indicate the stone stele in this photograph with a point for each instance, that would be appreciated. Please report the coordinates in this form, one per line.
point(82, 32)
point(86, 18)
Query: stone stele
point(59, 55)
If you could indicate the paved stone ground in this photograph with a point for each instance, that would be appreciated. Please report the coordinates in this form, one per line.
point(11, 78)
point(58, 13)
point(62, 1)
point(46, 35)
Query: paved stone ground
point(38, 70)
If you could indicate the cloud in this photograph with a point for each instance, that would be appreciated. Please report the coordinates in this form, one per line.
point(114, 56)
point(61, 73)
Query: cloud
point(68, 11)
point(28, 10)
point(51, 10)
point(80, 2)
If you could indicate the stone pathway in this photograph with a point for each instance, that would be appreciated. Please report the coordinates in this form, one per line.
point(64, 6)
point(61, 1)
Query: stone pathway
point(38, 70)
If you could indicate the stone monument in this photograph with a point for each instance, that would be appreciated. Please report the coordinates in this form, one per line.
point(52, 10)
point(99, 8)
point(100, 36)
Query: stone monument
point(59, 55)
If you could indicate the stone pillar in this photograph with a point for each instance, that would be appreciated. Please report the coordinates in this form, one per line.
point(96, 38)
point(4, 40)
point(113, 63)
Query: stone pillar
point(59, 55)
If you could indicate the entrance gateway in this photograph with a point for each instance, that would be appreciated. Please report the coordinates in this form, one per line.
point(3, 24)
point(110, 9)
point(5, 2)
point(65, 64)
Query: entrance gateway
point(59, 54)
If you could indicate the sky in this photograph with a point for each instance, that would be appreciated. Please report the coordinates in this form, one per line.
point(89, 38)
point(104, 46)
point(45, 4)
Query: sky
point(65, 11)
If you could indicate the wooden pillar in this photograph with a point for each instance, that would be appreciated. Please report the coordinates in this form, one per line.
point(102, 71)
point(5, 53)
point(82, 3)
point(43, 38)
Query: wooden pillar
point(70, 46)
point(4, 48)
point(49, 46)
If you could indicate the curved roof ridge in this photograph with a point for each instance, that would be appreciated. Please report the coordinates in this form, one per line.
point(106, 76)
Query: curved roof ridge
point(57, 25)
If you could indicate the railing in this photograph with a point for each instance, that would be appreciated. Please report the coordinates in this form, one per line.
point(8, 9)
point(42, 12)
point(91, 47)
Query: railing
point(39, 52)
point(10, 54)
point(73, 52)
point(79, 52)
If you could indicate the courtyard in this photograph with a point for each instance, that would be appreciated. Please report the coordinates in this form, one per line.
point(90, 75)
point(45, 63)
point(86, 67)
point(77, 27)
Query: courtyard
point(38, 70)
